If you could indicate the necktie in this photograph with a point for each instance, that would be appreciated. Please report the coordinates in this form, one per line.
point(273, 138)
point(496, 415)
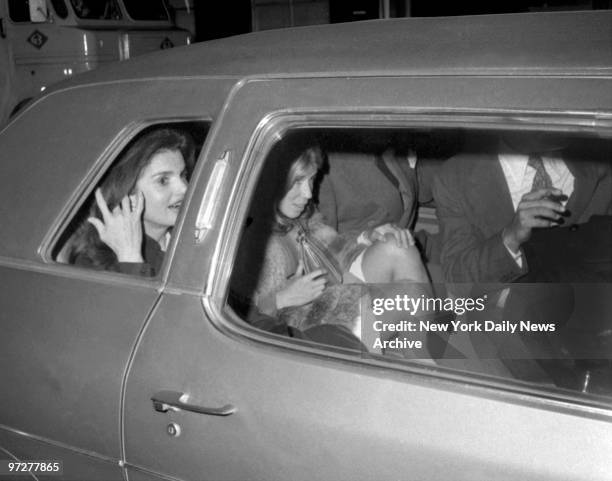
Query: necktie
point(541, 180)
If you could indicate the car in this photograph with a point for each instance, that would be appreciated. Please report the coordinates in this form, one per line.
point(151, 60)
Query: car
point(116, 376)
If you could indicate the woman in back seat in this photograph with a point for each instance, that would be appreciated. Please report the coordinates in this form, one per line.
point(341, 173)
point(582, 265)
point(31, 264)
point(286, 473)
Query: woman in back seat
point(305, 260)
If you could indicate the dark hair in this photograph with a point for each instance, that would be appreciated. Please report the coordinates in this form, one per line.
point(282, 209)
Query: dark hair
point(119, 182)
point(308, 158)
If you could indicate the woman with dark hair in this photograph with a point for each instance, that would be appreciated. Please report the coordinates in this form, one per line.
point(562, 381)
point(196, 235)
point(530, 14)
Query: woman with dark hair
point(305, 260)
point(136, 206)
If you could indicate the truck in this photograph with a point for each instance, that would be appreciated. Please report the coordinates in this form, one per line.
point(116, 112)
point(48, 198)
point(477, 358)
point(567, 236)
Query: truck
point(45, 41)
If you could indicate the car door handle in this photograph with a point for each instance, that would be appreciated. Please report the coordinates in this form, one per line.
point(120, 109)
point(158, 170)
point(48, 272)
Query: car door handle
point(164, 401)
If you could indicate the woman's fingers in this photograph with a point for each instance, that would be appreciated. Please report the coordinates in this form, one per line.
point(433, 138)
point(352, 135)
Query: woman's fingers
point(299, 271)
point(314, 274)
point(102, 204)
point(125, 205)
point(139, 204)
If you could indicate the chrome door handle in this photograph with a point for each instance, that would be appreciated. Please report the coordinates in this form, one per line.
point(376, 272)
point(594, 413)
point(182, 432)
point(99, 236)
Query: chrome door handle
point(163, 401)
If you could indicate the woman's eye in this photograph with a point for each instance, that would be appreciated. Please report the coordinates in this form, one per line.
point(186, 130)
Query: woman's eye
point(163, 180)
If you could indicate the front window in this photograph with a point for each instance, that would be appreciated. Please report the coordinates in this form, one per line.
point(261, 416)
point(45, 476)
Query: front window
point(152, 10)
point(96, 9)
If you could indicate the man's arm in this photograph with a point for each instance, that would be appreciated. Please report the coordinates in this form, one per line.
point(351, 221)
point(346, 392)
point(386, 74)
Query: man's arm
point(467, 254)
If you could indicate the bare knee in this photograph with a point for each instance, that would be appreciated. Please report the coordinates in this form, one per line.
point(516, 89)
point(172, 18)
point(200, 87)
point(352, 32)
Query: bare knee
point(388, 262)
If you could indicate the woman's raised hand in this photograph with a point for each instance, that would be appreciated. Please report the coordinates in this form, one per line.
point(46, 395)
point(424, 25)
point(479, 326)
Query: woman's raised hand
point(302, 288)
point(121, 228)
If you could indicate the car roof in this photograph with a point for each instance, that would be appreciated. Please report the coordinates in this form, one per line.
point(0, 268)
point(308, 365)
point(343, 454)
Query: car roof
point(558, 43)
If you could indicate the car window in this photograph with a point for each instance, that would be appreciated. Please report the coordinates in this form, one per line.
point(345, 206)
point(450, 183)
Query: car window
point(60, 8)
point(19, 10)
point(154, 10)
point(466, 299)
point(97, 9)
point(125, 224)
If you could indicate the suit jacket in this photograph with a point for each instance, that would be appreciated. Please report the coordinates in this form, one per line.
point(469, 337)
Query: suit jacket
point(354, 195)
point(474, 206)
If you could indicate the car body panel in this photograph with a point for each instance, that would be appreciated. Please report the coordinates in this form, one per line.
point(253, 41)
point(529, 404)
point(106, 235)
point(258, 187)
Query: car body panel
point(98, 330)
point(302, 415)
point(67, 324)
point(77, 464)
point(412, 419)
point(65, 153)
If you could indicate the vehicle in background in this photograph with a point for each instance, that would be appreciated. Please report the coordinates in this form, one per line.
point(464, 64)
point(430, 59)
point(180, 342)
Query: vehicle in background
point(182, 13)
point(45, 41)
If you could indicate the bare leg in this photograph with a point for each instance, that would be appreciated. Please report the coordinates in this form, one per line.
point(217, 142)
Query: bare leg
point(398, 271)
point(385, 262)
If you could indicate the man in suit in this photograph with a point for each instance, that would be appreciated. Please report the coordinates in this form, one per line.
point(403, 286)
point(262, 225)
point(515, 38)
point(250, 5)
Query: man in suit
point(489, 203)
point(363, 190)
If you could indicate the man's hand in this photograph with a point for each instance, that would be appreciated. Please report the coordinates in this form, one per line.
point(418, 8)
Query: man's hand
point(388, 232)
point(542, 208)
point(121, 228)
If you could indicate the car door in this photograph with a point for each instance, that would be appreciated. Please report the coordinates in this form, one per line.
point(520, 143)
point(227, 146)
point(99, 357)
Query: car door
point(209, 397)
point(68, 332)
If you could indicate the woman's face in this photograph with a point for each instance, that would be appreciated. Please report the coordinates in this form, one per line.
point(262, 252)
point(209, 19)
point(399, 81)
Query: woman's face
point(295, 201)
point(163, 183)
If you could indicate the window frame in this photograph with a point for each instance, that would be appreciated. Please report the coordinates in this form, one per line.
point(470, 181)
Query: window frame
point(49, 247)
point(273, 127)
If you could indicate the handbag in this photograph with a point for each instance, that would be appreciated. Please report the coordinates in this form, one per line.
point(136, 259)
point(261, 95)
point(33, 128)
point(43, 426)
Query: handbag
point(314, 255)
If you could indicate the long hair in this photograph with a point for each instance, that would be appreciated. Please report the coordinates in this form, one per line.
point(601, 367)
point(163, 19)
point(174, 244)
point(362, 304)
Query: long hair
point(303, 161)
point(121, 181)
